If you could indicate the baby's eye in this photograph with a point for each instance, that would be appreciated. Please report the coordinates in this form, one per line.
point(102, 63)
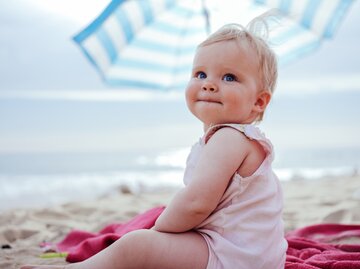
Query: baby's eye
point(200, 75)
point(229, 77)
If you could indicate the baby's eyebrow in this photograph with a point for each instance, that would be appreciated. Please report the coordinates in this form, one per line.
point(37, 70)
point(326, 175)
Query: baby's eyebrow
point(198, 67)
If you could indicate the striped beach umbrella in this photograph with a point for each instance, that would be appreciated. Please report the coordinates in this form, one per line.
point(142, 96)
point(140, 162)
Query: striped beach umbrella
point(150, 44)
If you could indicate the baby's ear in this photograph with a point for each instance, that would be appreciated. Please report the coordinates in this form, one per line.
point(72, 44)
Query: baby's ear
point(263, 99)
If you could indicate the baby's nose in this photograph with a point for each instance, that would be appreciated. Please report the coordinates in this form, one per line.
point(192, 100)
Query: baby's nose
point(209, 86)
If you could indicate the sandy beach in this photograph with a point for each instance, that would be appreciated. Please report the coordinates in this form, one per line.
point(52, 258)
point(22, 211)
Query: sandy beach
point(307, 202)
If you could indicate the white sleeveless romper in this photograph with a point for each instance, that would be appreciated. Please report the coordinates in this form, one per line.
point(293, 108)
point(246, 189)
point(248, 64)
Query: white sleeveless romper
point(246, 229)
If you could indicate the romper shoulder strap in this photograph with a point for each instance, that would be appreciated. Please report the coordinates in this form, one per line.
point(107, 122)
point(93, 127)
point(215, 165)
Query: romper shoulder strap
point(251, 131)
point(212, 130)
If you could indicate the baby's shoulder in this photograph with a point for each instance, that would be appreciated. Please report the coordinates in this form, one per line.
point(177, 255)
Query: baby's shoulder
point(238, 147)
point(230, 131)
point(230, 136)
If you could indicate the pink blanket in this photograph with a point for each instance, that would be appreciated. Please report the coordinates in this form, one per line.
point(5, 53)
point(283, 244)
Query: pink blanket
point(309, 247)
point(81, 245)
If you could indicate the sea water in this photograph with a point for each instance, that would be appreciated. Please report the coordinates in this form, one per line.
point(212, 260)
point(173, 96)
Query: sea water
point(90, 149)
point(32, 180)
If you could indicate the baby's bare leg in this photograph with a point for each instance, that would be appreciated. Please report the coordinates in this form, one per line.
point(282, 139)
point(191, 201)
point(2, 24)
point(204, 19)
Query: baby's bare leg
point(148, 249)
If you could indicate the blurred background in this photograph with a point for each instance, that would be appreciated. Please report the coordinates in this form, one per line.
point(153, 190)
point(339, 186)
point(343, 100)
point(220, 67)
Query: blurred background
point(64, 135)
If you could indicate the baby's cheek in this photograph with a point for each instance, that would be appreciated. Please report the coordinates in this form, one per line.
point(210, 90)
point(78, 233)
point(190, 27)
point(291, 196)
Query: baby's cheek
point(190, 92)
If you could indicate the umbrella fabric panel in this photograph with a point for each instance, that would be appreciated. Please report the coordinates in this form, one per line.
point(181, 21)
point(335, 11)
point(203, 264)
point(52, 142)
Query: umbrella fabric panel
point(163, 51)
point(319, 16)
point(308, 23)
point(149, 44)
point(299, 28)
point(157, 56)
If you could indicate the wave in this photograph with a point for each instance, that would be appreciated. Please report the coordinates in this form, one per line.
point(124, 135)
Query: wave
point(53, 189)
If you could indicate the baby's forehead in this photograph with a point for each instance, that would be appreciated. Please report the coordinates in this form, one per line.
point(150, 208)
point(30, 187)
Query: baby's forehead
point(233, 48)
point(241, 45)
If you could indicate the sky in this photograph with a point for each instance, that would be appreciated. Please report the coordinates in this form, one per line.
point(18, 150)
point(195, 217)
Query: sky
point(53, 100)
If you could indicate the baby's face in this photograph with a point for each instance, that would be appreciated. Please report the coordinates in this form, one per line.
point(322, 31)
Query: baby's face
point(224, 84)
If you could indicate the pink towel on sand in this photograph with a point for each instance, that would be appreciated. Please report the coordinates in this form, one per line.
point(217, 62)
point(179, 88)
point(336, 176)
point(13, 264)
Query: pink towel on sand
point(309, 247)
point(81, 245)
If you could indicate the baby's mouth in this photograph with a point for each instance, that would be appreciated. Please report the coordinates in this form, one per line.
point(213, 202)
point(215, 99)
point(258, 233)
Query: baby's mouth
point(209, 100)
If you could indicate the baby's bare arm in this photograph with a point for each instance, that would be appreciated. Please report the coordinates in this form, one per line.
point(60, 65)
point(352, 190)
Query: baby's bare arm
point(219, 161)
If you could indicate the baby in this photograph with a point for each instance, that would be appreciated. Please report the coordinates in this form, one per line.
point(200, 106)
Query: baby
point(229, 214)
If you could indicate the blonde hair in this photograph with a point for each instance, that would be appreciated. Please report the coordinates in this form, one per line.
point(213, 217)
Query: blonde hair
point(254, 35)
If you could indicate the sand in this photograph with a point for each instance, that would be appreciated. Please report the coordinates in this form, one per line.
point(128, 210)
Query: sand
point(307, 202)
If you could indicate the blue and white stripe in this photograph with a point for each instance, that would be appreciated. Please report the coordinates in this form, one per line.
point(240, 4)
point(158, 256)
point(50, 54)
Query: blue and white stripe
point(149, 44)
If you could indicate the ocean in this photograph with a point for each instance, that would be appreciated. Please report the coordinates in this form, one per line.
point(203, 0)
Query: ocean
point(43, 179)
point(55, 151)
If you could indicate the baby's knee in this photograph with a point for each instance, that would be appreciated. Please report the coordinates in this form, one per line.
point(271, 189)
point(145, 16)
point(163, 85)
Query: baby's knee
point(137, 235)
point(136, 240)
point(135, 247)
